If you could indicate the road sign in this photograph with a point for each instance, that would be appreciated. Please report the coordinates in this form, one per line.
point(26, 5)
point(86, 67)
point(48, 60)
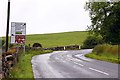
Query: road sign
point(18, 32)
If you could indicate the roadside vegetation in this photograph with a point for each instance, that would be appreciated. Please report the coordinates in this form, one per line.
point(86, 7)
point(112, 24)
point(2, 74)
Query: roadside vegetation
point(106, 52)
point(24, 68)
point(2, 42)
point(91, 41)
point(105, 19)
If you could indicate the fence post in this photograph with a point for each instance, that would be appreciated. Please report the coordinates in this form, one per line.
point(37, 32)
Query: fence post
point(64, 47)
point(79, 47)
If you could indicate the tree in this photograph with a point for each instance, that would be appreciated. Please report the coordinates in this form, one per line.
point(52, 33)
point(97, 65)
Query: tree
point(92, 41)
point(105, 17)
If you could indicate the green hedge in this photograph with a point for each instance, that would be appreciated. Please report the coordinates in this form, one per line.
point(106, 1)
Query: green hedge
point(91, 42)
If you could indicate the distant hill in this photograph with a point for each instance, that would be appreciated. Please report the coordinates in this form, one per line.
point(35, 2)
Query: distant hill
point(57, 39)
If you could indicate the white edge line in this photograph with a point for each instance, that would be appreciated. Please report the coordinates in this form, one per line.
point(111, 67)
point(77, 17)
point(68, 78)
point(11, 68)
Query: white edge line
point(78, 64)
point(99, 71)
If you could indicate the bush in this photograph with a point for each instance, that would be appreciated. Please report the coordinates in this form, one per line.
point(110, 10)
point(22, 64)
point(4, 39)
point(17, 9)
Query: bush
point(3, 42)
point(11, 45)
point(106, 48)
point(37, 45)
point(9, 52)
point(98, 49)
point(91, 42)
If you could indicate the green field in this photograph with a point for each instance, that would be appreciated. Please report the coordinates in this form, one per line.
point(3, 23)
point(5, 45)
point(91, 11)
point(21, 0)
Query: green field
point(57, 39)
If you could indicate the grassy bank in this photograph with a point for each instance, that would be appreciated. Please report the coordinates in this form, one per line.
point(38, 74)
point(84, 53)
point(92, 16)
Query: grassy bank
point(24, 68)
point(106, 52)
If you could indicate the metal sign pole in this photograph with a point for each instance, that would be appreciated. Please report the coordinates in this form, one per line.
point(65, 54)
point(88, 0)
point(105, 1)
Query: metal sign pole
point(25, 37)
point(24, 48)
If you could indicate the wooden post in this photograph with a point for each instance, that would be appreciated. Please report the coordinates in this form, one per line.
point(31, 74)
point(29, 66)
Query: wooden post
point(64, 47)
point(79, 46)
point(7, 30)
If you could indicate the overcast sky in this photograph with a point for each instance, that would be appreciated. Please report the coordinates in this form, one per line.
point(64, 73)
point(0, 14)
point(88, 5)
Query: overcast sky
point(45, 16)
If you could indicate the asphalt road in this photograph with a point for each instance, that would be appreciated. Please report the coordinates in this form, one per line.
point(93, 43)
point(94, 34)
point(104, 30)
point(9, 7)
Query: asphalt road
point(72, 64)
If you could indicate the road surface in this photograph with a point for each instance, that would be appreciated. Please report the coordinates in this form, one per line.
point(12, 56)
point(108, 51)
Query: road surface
point(72, 64)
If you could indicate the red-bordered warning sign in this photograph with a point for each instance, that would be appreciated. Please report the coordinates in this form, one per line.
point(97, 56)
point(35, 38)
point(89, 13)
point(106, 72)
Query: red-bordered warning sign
point(20, 39)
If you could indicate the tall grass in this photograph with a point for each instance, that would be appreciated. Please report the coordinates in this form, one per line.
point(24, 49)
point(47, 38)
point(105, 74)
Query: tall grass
point(106, 48)
point(106, 52)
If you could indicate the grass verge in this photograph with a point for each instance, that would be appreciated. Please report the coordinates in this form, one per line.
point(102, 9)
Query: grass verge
point(105, 52)
point(24, 68)
point(104, 57)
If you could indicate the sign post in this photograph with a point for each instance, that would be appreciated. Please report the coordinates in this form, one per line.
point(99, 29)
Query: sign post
point(7, 29)
point(18, 33)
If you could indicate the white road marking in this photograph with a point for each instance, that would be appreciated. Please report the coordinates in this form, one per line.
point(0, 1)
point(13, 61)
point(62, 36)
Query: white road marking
point(99, 71)
point(69, 55)
point(78, 64)
point(63, 61)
